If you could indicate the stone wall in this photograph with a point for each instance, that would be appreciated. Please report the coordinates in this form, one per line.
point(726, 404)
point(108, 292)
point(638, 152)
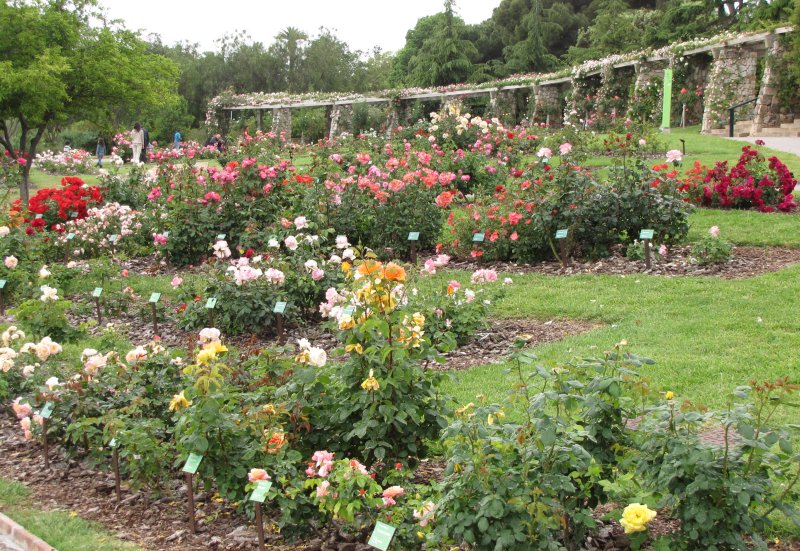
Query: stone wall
point(503, 105)
point(731, 80)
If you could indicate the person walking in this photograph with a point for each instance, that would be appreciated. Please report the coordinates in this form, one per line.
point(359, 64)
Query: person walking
point(100, 152)
point(137, 143)
point(146, 147)
point(176, 142)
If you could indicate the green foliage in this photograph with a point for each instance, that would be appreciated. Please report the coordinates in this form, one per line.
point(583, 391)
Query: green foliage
point(711, 250)
point(721, 492)
point(45, 318)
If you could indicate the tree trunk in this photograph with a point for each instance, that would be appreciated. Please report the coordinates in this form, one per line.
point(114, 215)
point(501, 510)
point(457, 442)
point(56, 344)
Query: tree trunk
point(23, 184)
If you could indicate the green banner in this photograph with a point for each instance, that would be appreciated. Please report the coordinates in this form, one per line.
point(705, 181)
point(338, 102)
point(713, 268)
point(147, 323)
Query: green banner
point(667, 106)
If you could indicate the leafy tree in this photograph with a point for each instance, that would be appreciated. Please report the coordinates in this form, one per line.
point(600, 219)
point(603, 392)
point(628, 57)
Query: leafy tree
point(55, 68)
point(291, 43)
point(530, 54)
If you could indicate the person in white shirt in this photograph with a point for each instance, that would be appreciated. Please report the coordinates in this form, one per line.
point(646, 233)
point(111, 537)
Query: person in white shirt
point(137, 142)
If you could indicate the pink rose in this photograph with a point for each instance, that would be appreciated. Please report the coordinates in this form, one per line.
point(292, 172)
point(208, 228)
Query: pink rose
point(257, 474)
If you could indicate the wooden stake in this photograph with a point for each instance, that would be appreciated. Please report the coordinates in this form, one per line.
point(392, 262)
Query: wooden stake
point(647, 253)
point(99, 313)
point(259, 526)
point(279, 322)
point(2, 303)
point(190, 493)
point(115, 461)
point(155, 319)
point(562, 245)
point(413, 252)
point(46, 447)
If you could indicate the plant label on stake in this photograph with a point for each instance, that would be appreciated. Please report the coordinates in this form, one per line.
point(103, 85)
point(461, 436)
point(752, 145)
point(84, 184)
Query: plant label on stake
point(259, 495)
point(381, 536)
point(646, 236)
point(479, 238)
point(46, 412)
point(221, 236)
point(96, 295)
point(115, 464)
point(413, 237)
point(211, 303)
point(190, 468)
point(279, 310)
point(154, 298)
point(561, 237)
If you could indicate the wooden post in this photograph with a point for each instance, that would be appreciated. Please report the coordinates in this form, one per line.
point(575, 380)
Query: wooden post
point(190, 494)
point(259, 526)
point(562, 245)
point(647, 253)
point(2, 303)
point(115, 461)
point(413, 252)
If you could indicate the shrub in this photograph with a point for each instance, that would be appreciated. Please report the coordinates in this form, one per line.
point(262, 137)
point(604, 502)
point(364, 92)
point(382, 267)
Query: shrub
point(711, 249)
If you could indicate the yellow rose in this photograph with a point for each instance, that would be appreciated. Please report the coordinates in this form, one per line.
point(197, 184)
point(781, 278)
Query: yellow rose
point(357, 348)
point(370, 384)
point(178, 402)
point(345, 266)
point(669, 395)
point(635, 518)
point(205, 356)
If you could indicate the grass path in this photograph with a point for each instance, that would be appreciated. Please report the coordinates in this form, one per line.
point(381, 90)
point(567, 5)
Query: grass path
point(62, 530)
point(707, 335)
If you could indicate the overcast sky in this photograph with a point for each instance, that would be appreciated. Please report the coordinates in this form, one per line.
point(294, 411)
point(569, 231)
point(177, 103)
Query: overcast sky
point(363, 24)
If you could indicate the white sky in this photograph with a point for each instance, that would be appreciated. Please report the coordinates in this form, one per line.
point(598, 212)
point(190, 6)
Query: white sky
point(360, 23)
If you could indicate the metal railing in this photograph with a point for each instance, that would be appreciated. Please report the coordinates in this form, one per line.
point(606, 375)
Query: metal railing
point(732, 114)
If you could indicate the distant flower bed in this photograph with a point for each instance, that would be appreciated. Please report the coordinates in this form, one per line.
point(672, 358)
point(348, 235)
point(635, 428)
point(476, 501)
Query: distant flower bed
point(70, 163)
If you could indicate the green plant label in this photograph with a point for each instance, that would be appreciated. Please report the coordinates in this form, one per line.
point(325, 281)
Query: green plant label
point(113, 443)
point(155, 297)
point(112, 238)
point(97, 292)
point(211, 303)
point(381, 536)
point(165, 234)
point(192, 463)
point(38, 217)
point(413, 236)
point(260, 493)
point(73, 214)
point(646, 234)
point(666, 109)
point(47, 410)
point(478, 238)
point(562, 234)
point(2, 283)
point(280, 308)
point(70, 236)
point(349, 310)
point(220, 236)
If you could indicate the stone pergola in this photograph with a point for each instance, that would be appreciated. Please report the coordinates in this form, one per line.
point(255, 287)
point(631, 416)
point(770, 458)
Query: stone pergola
point(729, 73)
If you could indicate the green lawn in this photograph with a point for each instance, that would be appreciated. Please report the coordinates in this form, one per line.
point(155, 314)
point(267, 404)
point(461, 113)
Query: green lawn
point(64, 531)
point(748, 227)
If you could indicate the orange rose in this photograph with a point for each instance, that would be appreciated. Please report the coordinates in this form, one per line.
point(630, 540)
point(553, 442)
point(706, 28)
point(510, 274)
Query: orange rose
point(276, 442)
point(394, 272)
point(369, 267)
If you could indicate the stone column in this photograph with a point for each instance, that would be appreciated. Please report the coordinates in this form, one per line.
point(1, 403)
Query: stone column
point(731, 80)
point(392, 120)
point(282, 122)
point(768, 112)
point(503, 105)
point(604, 91)
point(547, 106)
point(259, 119)
point(341, 120)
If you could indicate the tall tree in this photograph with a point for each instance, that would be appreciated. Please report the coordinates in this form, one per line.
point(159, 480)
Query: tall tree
point(530, 54)
point(445, 57)
point(55, 68)
point(292, 41)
